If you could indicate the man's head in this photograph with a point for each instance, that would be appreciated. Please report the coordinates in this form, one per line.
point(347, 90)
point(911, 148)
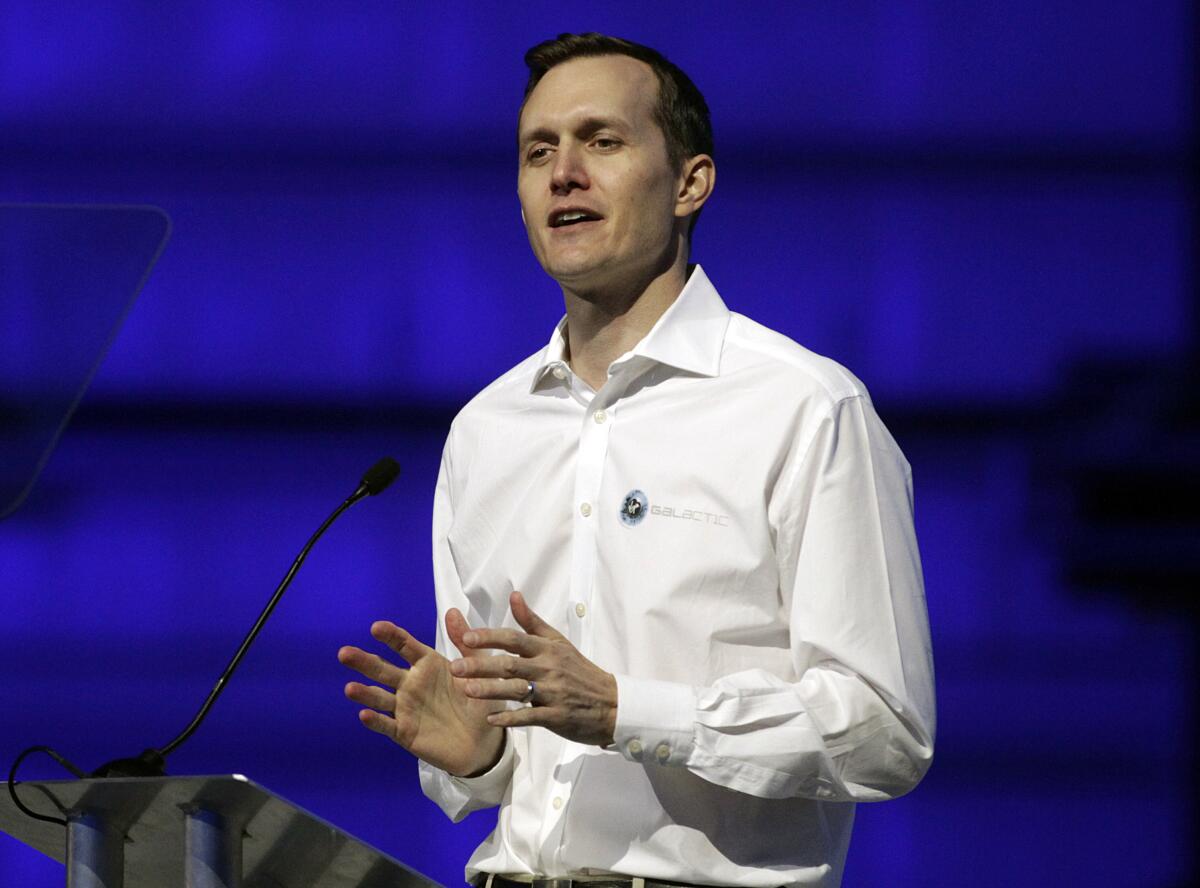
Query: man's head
point(615, 132)
point(680, 110)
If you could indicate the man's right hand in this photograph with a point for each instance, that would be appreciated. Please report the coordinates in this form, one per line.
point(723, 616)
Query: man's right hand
point(424, 708)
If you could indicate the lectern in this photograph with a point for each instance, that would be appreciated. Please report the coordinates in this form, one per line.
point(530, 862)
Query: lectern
point(68, 276)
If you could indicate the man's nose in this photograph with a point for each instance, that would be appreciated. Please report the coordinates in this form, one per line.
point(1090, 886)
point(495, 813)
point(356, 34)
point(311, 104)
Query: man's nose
point(570, 169)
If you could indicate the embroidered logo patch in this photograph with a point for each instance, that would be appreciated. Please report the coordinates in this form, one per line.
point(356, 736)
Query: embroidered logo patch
point(634, 508)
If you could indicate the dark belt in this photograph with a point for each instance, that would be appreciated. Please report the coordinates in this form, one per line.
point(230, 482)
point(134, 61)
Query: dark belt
point(487, 880)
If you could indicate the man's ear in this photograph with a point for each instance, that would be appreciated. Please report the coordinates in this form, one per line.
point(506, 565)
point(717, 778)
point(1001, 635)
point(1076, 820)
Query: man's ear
point(696, 182)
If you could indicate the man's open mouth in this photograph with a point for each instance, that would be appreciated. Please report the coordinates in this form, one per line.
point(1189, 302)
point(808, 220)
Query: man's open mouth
point(563, 218)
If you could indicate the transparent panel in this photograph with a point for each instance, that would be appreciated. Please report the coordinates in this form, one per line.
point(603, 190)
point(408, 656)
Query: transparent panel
point(68, 277)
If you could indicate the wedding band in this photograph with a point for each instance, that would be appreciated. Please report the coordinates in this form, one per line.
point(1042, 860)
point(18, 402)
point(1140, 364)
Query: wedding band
point(528, 698)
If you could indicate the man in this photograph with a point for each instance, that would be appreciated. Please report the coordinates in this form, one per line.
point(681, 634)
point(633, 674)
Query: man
point(673, 548)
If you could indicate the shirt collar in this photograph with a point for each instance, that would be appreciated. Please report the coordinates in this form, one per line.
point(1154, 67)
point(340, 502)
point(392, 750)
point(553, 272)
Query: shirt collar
point(688, 336)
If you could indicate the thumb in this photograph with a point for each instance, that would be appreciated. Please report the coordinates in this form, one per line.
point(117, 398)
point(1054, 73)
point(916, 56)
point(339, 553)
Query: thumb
point(528, 620)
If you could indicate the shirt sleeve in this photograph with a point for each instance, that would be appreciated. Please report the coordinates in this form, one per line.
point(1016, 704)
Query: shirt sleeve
point(457, 796)
point(857, 721)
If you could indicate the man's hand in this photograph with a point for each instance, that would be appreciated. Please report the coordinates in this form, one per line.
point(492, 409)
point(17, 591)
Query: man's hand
point(425, 708)
point(573, 696)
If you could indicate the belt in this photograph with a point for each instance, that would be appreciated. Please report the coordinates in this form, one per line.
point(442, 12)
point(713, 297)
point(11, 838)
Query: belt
point(490, 880)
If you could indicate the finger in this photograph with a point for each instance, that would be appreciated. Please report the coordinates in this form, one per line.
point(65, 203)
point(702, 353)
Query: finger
point(456, 626)
point(378, 722)
point(498, 689)
point(371, 666)
point(400, 641)
point(528, 620)
point(371, 695)
point(523, 716)
point(497, 666)
point(511, 640)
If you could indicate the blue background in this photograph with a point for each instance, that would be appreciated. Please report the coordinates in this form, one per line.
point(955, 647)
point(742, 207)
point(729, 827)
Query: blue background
point(985, 210)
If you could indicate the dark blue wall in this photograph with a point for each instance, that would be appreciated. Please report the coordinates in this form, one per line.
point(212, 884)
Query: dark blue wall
point(960, 203)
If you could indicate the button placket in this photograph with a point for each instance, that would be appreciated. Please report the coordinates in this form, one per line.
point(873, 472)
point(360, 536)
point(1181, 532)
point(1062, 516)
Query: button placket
point(589, 510)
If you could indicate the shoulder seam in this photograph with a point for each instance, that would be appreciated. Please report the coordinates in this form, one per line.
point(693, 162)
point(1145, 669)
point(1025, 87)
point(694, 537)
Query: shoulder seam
point(843, 385)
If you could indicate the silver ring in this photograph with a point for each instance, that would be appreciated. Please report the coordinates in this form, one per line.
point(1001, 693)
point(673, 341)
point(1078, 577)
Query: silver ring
point(528, 698)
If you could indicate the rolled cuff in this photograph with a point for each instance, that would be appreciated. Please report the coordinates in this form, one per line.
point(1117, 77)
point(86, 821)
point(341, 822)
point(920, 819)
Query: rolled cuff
point(459, 796)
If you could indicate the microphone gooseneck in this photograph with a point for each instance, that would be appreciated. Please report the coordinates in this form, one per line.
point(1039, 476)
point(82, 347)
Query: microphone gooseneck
point(151, 762)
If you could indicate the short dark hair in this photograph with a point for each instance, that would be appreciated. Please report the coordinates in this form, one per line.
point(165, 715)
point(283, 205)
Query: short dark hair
point(681, 112)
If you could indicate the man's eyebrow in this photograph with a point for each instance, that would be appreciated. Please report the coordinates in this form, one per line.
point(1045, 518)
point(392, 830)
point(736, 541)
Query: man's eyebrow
point(541, 134)
point(591, 125)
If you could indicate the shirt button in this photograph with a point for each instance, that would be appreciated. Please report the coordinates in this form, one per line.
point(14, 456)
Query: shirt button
point(662, 753)
point(585, 509)
point(557, 803)
point(599, 416)
point(580, 609)
point(634, 747)
point(559, 373)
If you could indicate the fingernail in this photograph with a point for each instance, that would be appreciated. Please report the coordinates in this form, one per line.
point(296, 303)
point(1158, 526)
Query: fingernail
point(458, 667)
point(470, 638)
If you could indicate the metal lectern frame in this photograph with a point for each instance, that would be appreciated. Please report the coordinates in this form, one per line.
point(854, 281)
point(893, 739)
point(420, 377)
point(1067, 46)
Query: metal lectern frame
point(198, 832)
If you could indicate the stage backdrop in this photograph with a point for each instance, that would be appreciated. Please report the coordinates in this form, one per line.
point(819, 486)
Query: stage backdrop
point(985, 210)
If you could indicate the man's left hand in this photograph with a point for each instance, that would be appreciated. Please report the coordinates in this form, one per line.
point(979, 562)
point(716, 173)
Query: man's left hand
point(572, 696)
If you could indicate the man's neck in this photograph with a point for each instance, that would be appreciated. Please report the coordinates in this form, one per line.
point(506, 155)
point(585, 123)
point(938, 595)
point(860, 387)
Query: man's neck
point(602, 326)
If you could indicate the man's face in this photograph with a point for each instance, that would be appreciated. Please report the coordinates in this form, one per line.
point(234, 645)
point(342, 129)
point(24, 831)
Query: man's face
point(597, 192)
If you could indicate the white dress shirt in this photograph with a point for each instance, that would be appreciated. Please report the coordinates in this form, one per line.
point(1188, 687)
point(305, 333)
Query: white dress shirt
point(726, 526)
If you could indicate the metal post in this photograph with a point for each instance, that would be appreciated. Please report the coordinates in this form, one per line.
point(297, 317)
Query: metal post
point(95, 853)
point(213, 851)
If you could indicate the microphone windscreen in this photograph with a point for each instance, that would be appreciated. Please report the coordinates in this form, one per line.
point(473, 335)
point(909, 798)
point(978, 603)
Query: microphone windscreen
point(379, 476)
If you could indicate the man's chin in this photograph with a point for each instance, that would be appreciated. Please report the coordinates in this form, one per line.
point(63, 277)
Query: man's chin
point(575, 273)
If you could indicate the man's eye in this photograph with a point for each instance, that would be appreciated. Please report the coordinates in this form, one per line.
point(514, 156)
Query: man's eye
point(605, 143)
point(537, 153)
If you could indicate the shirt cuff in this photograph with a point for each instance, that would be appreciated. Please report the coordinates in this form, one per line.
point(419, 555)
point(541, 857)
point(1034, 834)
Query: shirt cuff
point(491, 783)
point(655, 720)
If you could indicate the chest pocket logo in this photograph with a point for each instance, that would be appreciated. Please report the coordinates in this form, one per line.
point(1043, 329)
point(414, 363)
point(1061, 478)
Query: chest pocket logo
point(634, 508)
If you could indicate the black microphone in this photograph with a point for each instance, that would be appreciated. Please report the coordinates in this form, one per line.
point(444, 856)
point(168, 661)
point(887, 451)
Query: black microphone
point(151, 762)
point(377, 478)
